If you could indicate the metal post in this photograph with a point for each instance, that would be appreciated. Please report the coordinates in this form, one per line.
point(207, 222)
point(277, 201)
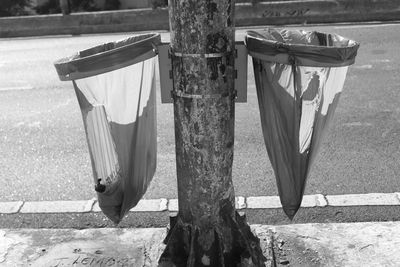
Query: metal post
point(207, 231)
point(65, 8)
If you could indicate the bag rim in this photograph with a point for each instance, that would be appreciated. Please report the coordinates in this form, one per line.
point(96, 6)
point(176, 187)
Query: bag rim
point(300, 54)
point(108, 57)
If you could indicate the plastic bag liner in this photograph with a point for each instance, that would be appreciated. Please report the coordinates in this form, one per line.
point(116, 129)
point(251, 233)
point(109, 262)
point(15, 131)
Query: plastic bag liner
point(299, 76)
point(115, 87)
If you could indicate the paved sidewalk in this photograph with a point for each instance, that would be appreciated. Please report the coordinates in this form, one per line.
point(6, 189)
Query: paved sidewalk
point(344, 244)
point(339, 244)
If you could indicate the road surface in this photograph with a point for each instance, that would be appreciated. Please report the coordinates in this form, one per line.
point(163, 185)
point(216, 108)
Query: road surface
point(44, 154)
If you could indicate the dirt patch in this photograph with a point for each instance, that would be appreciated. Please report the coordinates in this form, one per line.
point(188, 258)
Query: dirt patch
point(290, 251)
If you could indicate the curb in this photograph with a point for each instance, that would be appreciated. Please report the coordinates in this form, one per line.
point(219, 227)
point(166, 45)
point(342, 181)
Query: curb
point(171, 205)
point(57, 206)
point(247, 14)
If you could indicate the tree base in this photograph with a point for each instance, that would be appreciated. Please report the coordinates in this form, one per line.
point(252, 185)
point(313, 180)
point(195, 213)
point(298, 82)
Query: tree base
point(236, 246)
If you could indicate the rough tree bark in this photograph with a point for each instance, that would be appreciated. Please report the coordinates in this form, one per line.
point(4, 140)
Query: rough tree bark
point(207, 231)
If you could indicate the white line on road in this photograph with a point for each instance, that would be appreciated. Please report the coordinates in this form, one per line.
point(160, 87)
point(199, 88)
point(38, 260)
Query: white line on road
point(381, 60)
point(358, 123)
point(14, 88)
point(364, 26)
point(363, 67)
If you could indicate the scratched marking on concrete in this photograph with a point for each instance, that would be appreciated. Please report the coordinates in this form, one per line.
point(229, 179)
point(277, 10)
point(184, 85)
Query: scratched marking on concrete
point(92, 260)
point(87, 252)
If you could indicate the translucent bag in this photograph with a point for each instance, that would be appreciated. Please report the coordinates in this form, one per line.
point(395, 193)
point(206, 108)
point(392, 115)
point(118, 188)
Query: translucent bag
point(115, 87)
point(299, 77)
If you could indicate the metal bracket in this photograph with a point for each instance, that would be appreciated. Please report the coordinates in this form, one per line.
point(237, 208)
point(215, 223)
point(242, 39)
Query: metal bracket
point(241, 72)
point(166, 78)
point(165, 67)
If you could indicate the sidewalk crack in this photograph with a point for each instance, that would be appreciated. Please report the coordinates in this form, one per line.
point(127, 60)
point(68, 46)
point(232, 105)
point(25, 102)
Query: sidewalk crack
point(326, 199)
point(398, 196)
point(11, 246)
point(3, 256)
point(147, 260)
point(272, 247)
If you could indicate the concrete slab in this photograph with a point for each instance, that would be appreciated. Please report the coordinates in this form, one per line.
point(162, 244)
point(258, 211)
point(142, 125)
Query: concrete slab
point(371, 199)
point(10, 207)
point(339, 244)
point(91, 247)
point(57, 206)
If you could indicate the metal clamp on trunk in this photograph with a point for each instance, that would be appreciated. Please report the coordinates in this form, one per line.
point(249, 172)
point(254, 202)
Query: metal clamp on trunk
point(165, 54)
point(205, 55)
point(197, 96)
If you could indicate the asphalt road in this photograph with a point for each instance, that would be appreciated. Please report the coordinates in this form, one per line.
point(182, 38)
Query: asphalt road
point(44, 154)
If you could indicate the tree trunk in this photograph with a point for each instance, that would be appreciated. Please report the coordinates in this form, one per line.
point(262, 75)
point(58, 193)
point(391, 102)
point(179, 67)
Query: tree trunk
point(207, 231)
